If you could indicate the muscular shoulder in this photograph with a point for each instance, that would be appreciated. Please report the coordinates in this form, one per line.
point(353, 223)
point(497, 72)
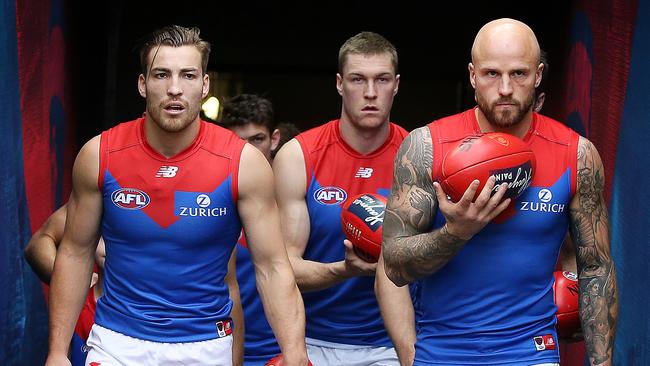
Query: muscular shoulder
point(417, 148)
point(86, 165)
point(89, 153)
point(590, 166)
point(414, 160)
point(255, 172)
point(291, 151)
point(289, 169)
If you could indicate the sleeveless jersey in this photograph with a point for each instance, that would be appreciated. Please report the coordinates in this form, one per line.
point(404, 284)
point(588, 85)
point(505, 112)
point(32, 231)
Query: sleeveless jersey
point(259, 341)
point(492, 304)
point(169, 225)
point(346, 313)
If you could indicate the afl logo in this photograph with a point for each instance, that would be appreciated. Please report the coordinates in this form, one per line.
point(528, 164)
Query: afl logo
point(130, 199)
point(330, 195)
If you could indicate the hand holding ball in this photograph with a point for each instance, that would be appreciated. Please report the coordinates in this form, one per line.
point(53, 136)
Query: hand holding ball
point(362, 218)
point(501, 155)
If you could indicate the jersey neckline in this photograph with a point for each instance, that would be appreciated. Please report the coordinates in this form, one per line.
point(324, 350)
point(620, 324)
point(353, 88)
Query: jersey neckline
point(351, 151)
point(477, 129)
point(181, 155)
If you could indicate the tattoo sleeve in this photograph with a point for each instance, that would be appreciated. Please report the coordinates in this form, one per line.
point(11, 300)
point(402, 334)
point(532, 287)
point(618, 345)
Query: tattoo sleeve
point(597, 276)
point(410, 249)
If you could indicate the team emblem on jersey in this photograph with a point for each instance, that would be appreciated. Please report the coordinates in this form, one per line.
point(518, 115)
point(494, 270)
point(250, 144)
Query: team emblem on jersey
point(544, 203)
point(194, 204)
point(130, 198)
point(167, 171)
point(364, 173)
point(330, 195)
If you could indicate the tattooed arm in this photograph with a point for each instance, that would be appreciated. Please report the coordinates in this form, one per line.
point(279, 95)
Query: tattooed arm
point(596, 273)
point(410, 249)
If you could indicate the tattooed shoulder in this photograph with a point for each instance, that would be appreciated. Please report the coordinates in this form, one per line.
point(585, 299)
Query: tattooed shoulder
point(412, 202)
point(414, 158)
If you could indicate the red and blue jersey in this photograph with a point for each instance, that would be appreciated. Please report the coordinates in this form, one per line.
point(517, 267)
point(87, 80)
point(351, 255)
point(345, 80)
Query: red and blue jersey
point(493, 302)
point(170, 225)
point(346, 313)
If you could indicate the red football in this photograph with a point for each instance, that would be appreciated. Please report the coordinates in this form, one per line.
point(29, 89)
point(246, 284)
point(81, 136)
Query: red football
point(362, 218)
point(278, 361)
point(505, 156)
point(566, 296)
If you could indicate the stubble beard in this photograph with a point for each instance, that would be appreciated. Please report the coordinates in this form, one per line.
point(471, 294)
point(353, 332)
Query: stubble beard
point(172, 124)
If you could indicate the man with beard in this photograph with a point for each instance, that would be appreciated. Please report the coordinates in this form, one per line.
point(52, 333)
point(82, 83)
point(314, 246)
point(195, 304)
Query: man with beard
point(315, 173)
point(484, 289)
point(170, 196)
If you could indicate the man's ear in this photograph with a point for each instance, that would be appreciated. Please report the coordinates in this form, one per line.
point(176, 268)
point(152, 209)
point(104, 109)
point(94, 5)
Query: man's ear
point(275, 139)
point(206, 85)
point(142, 86)
point(472, 74)
point(339, 84)
point(538, 74)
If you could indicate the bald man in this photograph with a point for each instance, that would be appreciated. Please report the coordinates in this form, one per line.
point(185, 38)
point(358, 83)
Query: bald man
point(483, 286)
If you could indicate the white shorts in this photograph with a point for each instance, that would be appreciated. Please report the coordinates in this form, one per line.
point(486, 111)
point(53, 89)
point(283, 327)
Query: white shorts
point(323, 353)
point(110, 348)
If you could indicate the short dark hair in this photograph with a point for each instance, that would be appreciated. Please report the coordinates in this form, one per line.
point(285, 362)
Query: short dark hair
point(367, 43)
point(248, 108)
point(174, 36)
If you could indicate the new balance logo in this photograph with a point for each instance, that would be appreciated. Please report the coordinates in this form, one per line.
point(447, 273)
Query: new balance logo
point(364, 173)
point(167, 171)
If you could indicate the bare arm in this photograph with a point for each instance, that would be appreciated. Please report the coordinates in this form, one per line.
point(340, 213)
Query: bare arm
point(399, 317)
point(237, 313)
point(596, 272)
point(568, 255)
point(40, 251)
point(74, 259)
point(410, 249)
point(290, 185)
point(275, 281)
